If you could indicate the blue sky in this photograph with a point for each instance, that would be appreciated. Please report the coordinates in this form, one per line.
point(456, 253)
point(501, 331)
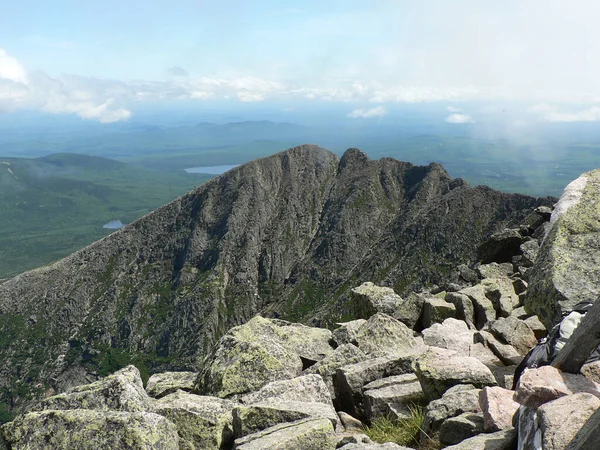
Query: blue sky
point(97, 59)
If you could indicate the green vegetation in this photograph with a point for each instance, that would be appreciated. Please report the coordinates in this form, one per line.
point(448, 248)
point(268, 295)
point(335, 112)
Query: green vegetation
point(55, 205)
point(405, 432)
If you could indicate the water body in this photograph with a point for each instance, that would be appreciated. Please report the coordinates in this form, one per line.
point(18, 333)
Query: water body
point(113, 225)
point(212, 170)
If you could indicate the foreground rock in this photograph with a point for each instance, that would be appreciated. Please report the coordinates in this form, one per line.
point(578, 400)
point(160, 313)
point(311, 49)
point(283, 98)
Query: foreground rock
point(501, 440)
point(162, 384)
point(85, 429)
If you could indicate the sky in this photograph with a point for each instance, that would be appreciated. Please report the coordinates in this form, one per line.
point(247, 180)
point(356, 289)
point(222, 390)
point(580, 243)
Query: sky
point(99, 59)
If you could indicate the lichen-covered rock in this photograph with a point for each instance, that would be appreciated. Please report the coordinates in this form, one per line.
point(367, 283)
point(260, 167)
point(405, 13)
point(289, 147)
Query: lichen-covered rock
point(439, 369)
point(260, 416)
point(464, 307)
point(307, 388)
point(370, 299)
point(562, 419)
point(400, 389)
point(453, 403)
point(91, 430)
point(457, 429)
point(344, 355)
point(547, 383)
point(345, 333)
point(498, 408)
point(515, 332)
point(373, 446)
point(307, 434)
point(260, 351)
point(567, 269)
point(382, 334)
point(484, 310)
point(452, 334)
point(161, 384)
point(495, 270)
point(121, 391)
point(500, 440)
point(436, 310)
point(203, 422)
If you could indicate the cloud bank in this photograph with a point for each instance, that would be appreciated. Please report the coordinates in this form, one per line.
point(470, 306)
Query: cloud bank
point(378, 111)
point(459, 118)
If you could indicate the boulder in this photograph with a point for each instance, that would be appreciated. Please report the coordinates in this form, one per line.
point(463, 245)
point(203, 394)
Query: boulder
point(382, 334)
point(567, 269)
point(498, 408)
point(502, 294)
point(500, 440)
point(436, 310)
point(121, 391)
point(306, 434)
point(457, 429)
point(369, 299)
point(344, 355)
point(91, 430)
point(536, 325)
point(464, 307)
point(591, 371)
point(308, 388)
point(345, 333)
point(359, 438)
point(440, 369)
point(529, 250)
point(453, 403)
point(500, 247)
point(350, 423)
point(504, 352)
point(483, 307)
point(161, 384)
point(260, 351)
point(452, 334)
point(495, 270)
point(515, 332)
point(203, 422)
point(504, 375)
point(263, 415)
point(587, 436)
point(547, 383)
point(561, 420)
point(373, 446)
point(380, 396)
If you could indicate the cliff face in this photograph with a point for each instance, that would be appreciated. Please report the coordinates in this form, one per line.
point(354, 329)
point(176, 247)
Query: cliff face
point(287, 235)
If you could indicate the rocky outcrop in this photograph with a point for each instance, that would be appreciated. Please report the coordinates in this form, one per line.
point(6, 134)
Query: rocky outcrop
point(286, 236)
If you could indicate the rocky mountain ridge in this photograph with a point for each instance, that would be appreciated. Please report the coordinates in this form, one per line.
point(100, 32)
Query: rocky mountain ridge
point(287, 236)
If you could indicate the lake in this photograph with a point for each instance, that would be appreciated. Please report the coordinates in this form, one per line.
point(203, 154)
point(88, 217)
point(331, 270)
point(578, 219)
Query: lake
point(212, 170)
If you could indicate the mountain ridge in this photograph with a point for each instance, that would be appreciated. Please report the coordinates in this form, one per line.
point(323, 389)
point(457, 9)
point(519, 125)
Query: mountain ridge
point(287, 236)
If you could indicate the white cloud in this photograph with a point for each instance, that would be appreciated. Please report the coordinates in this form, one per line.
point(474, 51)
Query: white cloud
point(11, 69)
point(379, 111)
point(459, 118)
point(553, 114)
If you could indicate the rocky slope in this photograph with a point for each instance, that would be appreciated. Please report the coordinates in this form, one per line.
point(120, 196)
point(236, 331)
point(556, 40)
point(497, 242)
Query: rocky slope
point(287, 236)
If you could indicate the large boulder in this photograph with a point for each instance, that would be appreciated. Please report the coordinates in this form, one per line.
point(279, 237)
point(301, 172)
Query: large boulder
point(459, 428)
point(121, 391)
point(452, 334)
point(392, 396)
point(382, 334)
point(202, 422)
point(498, 408)
point(439, 369)
point(436, 310)
point(308, 388)
point(455, 401)
point(345, 333)
point(82, 429)
point(515, 332)
point(260, 351)
point(567, 269)
point(306, 434)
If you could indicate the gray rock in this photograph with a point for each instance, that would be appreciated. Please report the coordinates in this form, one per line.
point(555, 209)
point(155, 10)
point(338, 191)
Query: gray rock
point(260, 351)
point(121, 391)
point(309, 388)
point(353, 439)
point(345, 333)
point(587, 436)
point(464, 307)
point(505, 352)
point(161, 384)
point(530, 250)
point(483, 306)
point(500, 440)
point(452, 334)
point(502, 293)
point(369, 299)
point(379, 395)
point(91, 430)
point(457, 429)
point(500, 247)
point(307, 434)
point(203, 422)
point(562, 419)
point(536, 325)
point(439, 369)
point(452, 404)
point(350, 423)
point(382, 335)
point(344, 355)
point(567, 269)
point(495, 270)
point(373, 446)
point(515, 332)
point(436, 310)
point(591, 371)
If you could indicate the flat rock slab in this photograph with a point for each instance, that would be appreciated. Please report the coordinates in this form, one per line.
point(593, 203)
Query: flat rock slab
point(452, 334)
point(377, 400)
point(457, 429)
point(306, 388)
point(204, 422)
point(82, 429)
point(500, 440)
point(498, 408)
point(161, 384)
point(309, 434)
point(561, 420)
point(440, 369)
point(544, 384)
point(121, 391)
point(450, 405)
